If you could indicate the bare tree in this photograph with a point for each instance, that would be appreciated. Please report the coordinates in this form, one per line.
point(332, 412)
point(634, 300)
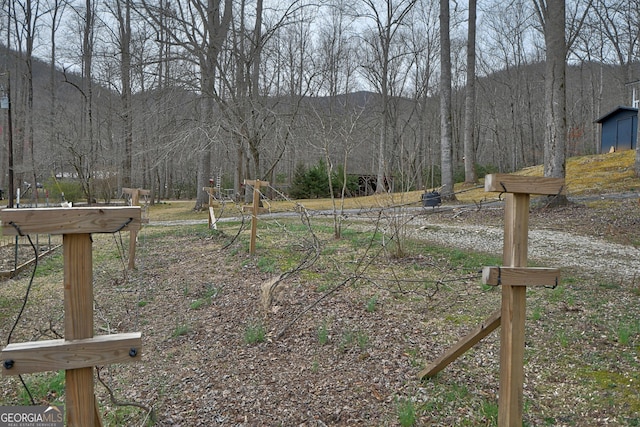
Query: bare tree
point(446, 139)
point(84, 166)
point(387, 19)
point(424, 40)
point(470, 96)
point(26, 17)
point(121, 11)
point(552, 16)
point(56, 9)
point(199, 29)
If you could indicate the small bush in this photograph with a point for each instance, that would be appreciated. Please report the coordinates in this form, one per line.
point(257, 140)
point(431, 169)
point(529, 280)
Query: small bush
point(63, 189)
point(313, 183)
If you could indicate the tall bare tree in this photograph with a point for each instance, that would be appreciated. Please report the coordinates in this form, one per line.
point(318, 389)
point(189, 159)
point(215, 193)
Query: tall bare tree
point(388, 18)
point(56, 9)
point(446, 137)
point(199, 28)
point(121, 11)
point(552, 17)
point(85, 165)
point(26, 24)
point(470, 97)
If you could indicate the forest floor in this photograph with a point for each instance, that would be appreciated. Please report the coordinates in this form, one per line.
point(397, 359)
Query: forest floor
point(352, 321)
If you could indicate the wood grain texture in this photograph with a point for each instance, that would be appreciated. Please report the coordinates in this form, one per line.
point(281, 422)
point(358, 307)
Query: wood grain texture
point(78, 324)
point(516, 231)
point(256, 210)
point(507, 183)
point(471, 339)
point(70, 220)
point(520, 276)
point(54, 355)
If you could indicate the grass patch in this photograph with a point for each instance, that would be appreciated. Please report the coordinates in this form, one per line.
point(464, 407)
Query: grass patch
point(50, 265)
point(406, 412)
point(372, 304)
point(352, 338)
point(255, 333)
point(177, 210)
point(619, 389)
point(323, 333)
point(180, 329)
point(266, 265)
point(490, 412)
point(44, 387)
point(205, 300)
point(626, 330)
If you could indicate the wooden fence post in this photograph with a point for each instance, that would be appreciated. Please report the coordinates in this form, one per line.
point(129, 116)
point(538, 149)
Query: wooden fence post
point(212, 216)
point(79, 351)
point(513, 277)
point(135, 194)
point(256, 209)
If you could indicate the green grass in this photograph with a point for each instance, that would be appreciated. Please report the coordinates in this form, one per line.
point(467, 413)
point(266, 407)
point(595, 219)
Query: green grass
point(626, 330)
point(266, 265)
point(205, 300)
point(49, 265)
point(490, 412)
point(323, 333)
point(406, 412)
point(372, 304)
point(254, 333)
point(47, 387)
point(351, 338)
point(180, 330)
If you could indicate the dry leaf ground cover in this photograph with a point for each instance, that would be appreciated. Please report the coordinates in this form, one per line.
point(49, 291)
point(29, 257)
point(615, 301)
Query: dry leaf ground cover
point(346, 330)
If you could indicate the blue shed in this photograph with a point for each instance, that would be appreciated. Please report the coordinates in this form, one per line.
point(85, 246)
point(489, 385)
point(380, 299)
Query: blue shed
point(619, 129)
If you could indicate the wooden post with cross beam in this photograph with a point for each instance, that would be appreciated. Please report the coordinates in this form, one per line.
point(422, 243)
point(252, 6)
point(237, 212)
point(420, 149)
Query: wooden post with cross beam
point(135, 194)
point(256, 209)
point(212, 216)
point(514, 276)
point(79, 351)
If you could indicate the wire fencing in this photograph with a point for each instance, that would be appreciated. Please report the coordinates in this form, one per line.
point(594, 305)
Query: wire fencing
point(16, 253)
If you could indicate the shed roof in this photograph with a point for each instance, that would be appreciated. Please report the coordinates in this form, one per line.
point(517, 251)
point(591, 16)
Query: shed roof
point(614, 111)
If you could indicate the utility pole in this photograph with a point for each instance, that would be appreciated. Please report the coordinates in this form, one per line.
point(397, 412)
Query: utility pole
point(6, 104)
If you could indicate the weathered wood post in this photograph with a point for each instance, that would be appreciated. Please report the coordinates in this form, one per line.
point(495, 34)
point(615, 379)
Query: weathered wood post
point(79, 351)
point(256, 209)
point(514, 277)
point(135, 194)
point(212, 216)
point(513, 312)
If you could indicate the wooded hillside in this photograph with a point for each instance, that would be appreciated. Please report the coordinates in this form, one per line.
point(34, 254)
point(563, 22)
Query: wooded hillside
point(170, 100)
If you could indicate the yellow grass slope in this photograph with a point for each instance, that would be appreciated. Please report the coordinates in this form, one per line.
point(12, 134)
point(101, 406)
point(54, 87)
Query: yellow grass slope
point(602, 173)
point(595, 174)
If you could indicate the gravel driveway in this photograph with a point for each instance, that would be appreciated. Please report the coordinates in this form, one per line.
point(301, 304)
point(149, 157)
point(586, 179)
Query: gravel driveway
point(549, 248)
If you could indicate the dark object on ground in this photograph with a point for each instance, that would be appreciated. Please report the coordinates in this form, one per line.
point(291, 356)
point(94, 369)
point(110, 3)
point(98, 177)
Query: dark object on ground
point(431, 199)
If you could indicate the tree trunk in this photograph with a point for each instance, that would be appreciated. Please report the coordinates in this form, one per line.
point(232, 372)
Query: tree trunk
point(87, 119)
point(446, 167)
point(470, 105)
point(124, 22)
point(553, 19)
